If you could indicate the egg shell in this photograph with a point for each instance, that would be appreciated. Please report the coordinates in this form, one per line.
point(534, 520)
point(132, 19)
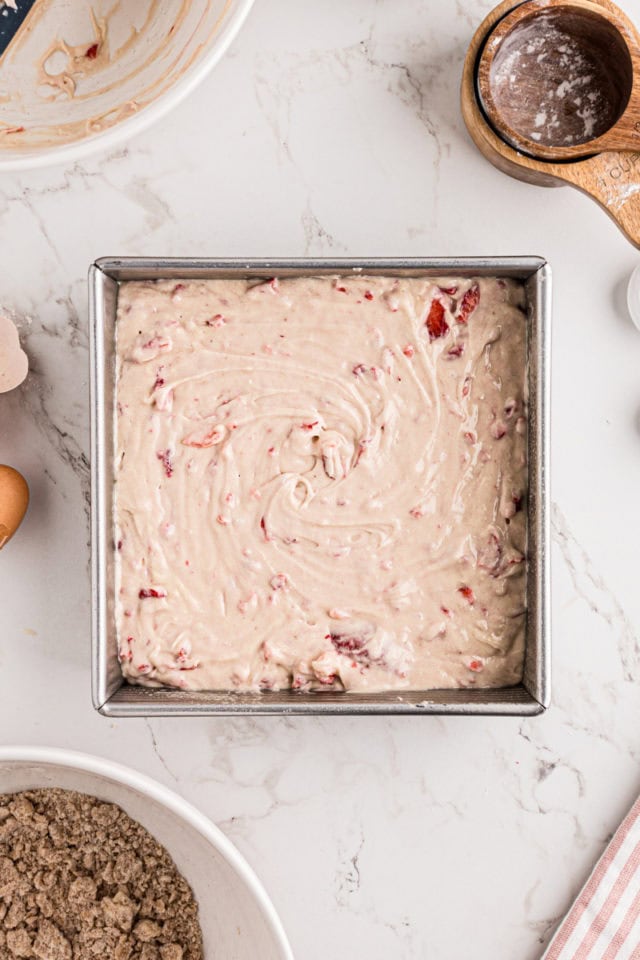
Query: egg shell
point(14, 500)
point(14, 364)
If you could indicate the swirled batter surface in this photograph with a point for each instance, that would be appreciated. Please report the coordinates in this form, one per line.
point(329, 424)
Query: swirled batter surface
point(320, 483)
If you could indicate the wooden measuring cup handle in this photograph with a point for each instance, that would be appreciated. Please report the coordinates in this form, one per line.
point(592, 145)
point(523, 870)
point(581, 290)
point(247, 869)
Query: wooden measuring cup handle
point(613, 180)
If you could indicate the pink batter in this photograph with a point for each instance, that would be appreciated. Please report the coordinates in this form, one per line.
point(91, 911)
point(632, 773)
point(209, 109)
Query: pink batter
point(320, 483)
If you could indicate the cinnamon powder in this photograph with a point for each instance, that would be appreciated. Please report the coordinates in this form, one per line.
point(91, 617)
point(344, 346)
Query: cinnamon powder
point(81, 880)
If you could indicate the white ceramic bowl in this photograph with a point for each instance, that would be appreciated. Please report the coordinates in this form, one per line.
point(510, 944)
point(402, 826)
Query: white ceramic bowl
point(80, 77)
point(238, 920)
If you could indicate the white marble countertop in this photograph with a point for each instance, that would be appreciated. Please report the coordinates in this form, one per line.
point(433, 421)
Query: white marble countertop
point(332, 129)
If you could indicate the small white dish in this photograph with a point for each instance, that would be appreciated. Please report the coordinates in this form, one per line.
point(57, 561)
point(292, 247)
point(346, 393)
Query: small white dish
point(237, 917)
point(633, 297)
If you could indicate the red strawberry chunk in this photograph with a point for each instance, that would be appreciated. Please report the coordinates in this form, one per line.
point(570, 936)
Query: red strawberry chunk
point(148, 592)
point(350, 646)
point(435, 322)
point(468, 594)
point(164, 456)
point(469, 302)
point(456, 351)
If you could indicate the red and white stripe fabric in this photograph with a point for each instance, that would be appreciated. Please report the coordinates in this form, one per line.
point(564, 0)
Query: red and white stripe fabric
point(604, 922)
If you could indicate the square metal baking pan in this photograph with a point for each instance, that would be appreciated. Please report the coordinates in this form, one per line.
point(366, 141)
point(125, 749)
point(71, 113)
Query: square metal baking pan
point(113, 697)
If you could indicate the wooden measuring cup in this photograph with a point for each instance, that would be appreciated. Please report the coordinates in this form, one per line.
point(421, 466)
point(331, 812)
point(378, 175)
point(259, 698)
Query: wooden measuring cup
point(560, 79)
point(610, 177)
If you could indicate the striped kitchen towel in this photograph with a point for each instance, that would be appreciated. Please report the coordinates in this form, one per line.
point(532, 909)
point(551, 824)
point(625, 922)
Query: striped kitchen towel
point(604, 922)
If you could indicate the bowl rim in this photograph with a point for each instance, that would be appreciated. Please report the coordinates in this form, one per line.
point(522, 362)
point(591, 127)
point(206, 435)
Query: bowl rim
point(148, 115)
point(127, 776)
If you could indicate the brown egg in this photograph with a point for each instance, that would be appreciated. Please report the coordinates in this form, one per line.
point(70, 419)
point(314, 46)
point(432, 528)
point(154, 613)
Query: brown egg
point(14, 500)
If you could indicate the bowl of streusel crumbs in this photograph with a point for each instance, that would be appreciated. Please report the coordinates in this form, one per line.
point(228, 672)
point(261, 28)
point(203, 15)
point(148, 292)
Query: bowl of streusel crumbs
point(97, 860)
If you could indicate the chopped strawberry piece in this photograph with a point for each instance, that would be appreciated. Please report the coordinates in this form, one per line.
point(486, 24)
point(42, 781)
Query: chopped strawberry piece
point(146, 592)
point(208, 438)
point(146, 350)
point(164, 456)
point(468, 594)
point(352, 645)
point(359, 370)
point(92, 52)
point(408, 350)
point(435, 322)
point(450, 291)
point(469, 302)
point(456, 351)
point(368, 295)
point(476, 665)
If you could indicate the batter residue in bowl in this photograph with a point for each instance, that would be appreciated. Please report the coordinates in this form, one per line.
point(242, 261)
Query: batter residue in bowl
point(80, 69)
point(320, 483)
point(80, 879)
